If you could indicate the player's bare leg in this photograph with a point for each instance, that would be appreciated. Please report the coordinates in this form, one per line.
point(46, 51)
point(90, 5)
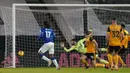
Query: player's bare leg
point(102, 60)
point(54, 61)
point(121, 61)
point(110, 59)
point(94, 63)
point(115, 57)
point(83, 60)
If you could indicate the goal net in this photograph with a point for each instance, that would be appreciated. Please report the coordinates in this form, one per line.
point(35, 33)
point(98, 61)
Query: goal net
point(68, 22)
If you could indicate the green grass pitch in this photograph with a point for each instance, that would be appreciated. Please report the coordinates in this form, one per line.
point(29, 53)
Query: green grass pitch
point(63, 70)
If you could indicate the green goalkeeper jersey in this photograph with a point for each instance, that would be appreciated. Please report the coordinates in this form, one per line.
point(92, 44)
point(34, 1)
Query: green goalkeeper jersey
point(78, 47)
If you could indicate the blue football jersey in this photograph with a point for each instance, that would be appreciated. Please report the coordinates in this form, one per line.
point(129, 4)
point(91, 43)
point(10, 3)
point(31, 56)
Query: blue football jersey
point(47, 35)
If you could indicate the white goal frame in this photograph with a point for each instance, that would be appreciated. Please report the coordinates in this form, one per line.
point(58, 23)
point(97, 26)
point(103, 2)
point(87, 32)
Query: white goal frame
point(51, 5)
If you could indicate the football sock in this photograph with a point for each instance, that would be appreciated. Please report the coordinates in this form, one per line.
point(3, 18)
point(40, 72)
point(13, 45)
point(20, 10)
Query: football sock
point(85, 62)
point(116, 60)
point(45, 58)
point(120, 60)
point(110, 59)
point(100, 65)
point(103, 61)
point(55, 62)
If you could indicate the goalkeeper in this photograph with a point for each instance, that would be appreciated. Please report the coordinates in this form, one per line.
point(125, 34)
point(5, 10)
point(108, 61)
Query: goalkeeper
point(79, 46)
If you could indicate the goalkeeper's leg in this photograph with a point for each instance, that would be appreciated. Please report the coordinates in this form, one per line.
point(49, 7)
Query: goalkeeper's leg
point(98, 64)
point(102, 61)
point(94, 61)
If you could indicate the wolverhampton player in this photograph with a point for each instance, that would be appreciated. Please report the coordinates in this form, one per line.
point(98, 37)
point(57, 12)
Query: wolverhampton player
point(114, 38)
point(124, 44)
point(91, 49)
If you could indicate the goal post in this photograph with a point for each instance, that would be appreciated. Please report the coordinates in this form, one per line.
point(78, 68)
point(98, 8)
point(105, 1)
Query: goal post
point(13, 26)
point(67, 35)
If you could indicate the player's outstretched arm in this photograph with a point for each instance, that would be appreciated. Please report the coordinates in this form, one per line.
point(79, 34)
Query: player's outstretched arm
point(122, 34)
point(108, 35)
point(39, 37)
point(67, 50)
point(96, 44)
point(103, 49)
point(81, 42)
point(54, 35)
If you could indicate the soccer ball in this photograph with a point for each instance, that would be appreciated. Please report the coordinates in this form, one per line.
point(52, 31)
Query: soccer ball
point(21, 53)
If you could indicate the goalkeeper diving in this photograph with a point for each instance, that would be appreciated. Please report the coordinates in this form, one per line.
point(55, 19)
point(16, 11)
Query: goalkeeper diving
point(81, 48)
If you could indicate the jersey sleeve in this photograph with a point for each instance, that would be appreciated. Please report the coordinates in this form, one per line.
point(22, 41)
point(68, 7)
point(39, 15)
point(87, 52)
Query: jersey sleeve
point(91, 38)
point(121, 29)
point(54, 35)
point(128, 38)
point(68, 50)
point(126, 32)
point(41, 35)
point(82, 40)
point(108, 33)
